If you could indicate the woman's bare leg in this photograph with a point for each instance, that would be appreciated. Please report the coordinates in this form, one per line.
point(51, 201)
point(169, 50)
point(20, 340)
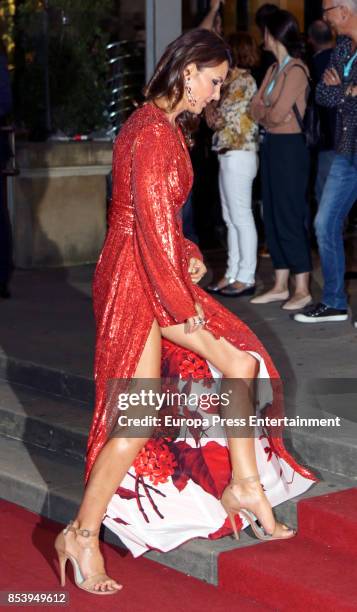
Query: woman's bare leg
point(279, 292)
point(302, 282)
point(109, 470)
point(118, 454)
point(302, 295)
point(233, 363)
point(240, 365)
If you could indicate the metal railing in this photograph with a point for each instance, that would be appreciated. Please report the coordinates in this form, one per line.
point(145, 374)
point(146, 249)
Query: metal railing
point(127, 77)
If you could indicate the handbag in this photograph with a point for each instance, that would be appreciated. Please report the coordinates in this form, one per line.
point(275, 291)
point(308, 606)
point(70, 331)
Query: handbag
point(309, 124)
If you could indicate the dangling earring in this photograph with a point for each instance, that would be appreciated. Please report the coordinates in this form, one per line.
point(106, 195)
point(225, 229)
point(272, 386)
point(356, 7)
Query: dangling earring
point(190, 97)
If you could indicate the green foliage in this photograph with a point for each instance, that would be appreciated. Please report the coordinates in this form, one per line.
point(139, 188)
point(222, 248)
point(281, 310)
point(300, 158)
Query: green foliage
point(69, 38)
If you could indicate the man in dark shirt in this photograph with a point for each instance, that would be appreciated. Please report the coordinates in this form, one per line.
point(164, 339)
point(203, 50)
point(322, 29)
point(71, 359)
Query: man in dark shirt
point(322, 41)
point(337, 89)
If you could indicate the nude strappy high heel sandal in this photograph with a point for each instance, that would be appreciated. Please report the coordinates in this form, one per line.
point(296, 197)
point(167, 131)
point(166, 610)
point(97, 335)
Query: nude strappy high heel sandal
point(87, 584)
point(232, 506)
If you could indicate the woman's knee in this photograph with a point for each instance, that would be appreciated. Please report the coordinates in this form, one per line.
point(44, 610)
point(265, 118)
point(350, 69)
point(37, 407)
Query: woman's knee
point(121, 445)
point(244, 220)
point(232, 362)
point(242, 365)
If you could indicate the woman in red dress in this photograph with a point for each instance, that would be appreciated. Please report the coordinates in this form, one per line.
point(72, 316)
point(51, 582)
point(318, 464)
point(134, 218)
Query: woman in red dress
point(145, 290)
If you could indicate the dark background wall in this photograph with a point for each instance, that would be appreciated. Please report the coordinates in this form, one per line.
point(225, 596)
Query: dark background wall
point(312, 11)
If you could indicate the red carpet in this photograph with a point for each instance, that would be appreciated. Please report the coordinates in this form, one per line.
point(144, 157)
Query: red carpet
point(317, 570)
point(27, 563)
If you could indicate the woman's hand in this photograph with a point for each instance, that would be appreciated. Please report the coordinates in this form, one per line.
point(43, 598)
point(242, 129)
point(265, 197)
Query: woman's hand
point(351, 90)
point(331, 77)
point(257, 109)
point(194, 323)
point(196, 269)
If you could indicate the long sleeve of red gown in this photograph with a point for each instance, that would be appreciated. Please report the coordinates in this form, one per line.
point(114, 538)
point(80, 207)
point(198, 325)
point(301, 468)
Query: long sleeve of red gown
point(192, 250)
point(160, 245)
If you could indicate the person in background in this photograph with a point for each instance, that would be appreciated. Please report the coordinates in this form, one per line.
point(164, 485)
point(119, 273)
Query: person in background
point(322, 42)
point(259, 72)
point(337, 90)
point(213, 19)
point(235, 139)
point(285, 162)
point(5, 228)
point(266, 57)
point(212, 22)
point(188, 220)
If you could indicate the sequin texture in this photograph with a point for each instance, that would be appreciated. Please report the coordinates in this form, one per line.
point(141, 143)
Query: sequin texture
point(142, 273)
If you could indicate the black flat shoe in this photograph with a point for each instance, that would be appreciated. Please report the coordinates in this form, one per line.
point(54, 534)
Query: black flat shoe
point(4, 292)
point(215, 288)
point(231, 291)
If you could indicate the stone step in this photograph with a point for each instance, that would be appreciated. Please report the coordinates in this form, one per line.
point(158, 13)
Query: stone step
point(46, 379)
point(61, 424)
point(52, 485)
point(57, 424)
point(41, 468)
point(334, 450)
point(330, 450)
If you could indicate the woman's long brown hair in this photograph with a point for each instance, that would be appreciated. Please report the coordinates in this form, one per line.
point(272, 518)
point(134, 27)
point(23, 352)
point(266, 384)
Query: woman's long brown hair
point(201, 47)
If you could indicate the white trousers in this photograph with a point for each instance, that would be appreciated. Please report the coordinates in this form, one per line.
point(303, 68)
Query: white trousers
point(237, 170)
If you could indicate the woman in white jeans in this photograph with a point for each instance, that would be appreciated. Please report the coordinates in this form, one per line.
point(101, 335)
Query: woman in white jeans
point(236, 141)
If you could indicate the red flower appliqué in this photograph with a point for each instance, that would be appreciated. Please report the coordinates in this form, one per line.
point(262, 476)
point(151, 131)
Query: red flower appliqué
point(194, 367)
point(155, 461)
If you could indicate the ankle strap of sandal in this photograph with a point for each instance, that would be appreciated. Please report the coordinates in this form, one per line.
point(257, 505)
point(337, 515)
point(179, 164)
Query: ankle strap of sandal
point(86, 533)
point(246, 479)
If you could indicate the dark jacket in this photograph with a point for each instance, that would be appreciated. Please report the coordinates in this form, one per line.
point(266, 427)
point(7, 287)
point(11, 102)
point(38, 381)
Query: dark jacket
point(320, 61)
point(338, 98)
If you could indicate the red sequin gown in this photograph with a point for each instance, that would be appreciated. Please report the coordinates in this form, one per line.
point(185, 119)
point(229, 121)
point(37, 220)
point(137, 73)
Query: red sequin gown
point(142, 273)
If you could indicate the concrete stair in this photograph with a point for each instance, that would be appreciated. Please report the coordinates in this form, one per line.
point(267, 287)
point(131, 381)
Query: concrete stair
point(43, 439)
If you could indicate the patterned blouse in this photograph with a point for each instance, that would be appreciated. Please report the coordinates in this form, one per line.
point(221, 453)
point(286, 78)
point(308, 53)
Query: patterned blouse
point(233, 127)
point(337, 96)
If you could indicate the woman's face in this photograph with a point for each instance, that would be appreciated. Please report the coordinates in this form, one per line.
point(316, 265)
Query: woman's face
point(203, 86)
